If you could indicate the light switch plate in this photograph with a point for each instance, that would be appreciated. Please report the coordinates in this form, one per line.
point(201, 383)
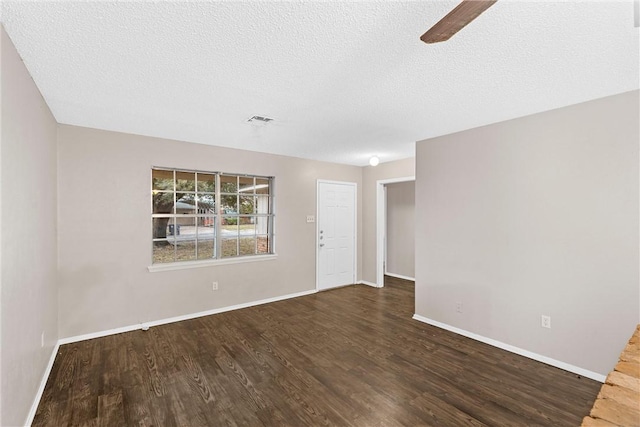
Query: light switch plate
point(311, 218)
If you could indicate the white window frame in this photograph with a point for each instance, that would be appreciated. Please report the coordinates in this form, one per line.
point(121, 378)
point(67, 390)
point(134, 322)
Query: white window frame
point(217, 218)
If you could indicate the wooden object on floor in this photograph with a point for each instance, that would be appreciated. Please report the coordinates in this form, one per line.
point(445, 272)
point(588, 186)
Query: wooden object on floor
point(351, 356)
point(618, 403)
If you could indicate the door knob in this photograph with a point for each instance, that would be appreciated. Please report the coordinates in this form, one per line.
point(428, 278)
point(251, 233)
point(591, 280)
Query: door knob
point(321, 244)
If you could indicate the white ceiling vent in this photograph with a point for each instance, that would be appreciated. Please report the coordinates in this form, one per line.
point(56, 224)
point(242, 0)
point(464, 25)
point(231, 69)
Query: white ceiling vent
point(259, 120)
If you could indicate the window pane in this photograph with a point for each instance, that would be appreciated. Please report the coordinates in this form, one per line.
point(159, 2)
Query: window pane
point(186, 249)
point(247, 226)
point(185, 227)
point(262, 224)
point(185, 181)
point(206, 224)
point(262, 204)
point(263, 245)
point(247, 246)
point(246, 184)
point(161, 179)
point(206, 183)
point(184, 232)
point(186, 206)
point(229, 204)
point(229, 247)
point(206, 249)
point(206, 238)
point(262, 186)
point(206, 235)
point(206, 204)
point(229, 226)
point(162, 203)
point(229, 184)
point(163, 251)
point(161, 227)
point(247, 205)
point(186, 203)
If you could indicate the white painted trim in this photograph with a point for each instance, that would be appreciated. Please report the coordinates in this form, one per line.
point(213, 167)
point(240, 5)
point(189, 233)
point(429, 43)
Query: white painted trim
point(364, 282)
point(355, 232)
point(209, 263)
point(510, 348)
point(329, 181)
point(43, 383)
point(159, 322)
point(400, 276)
point(381, 220)
point(355, 227)
point(100, 334)
point(228, 308)
point(317, 241)
point(385, 233)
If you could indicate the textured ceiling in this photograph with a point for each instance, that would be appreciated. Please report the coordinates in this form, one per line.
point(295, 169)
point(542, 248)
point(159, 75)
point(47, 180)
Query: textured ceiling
point(344, 80)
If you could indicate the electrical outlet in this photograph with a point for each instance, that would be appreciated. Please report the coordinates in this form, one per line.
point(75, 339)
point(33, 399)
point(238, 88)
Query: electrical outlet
point(458, 307)
point(42, 339)
point(214, 286)
point(311, 218)
point(545, 321)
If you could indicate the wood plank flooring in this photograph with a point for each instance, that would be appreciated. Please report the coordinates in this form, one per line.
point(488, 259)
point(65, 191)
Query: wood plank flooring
point(347, 357)
point(618, 402)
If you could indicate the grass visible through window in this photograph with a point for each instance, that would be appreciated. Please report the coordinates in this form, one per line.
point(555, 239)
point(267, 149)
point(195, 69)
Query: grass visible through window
point(186, 251)
point(208, 215)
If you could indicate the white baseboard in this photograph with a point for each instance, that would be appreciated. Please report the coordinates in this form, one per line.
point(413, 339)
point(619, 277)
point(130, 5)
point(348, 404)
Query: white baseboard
point(538, 357)
point(43, 383)
point(228, 308)
point(400, 276)
point(99, 334)
point(364, 282)
point(159, 322)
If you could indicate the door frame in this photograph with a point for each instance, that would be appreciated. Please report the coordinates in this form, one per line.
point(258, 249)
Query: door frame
point(355, 227)
point(381, 223)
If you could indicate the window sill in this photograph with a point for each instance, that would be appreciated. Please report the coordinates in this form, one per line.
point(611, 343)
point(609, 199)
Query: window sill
point(211, 263)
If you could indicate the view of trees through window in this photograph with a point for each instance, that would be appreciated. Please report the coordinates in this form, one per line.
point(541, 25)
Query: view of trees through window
point(210, 215)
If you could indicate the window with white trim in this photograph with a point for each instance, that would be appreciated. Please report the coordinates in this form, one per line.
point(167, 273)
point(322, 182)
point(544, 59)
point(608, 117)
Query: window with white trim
point(199, 215)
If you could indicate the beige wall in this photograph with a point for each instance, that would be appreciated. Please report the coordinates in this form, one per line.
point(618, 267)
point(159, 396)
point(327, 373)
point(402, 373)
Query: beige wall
point(401, 229)
point(104, 230)
point(28, 229)
point(532, 216)
point(370, 175)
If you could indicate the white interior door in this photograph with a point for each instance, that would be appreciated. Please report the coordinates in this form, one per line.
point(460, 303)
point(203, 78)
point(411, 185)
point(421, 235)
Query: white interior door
point(336, 234)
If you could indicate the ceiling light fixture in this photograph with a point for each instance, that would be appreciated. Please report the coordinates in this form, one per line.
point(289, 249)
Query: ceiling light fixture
point(374, 161)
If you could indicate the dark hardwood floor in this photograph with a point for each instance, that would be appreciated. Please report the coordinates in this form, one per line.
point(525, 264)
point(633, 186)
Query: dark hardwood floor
point(350, 357)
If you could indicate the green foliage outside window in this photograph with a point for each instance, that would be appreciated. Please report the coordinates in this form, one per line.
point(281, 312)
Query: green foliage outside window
point(189, 224)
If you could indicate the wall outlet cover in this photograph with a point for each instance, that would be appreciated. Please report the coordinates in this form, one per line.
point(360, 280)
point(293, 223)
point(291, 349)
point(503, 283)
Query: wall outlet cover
point(545, 321)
